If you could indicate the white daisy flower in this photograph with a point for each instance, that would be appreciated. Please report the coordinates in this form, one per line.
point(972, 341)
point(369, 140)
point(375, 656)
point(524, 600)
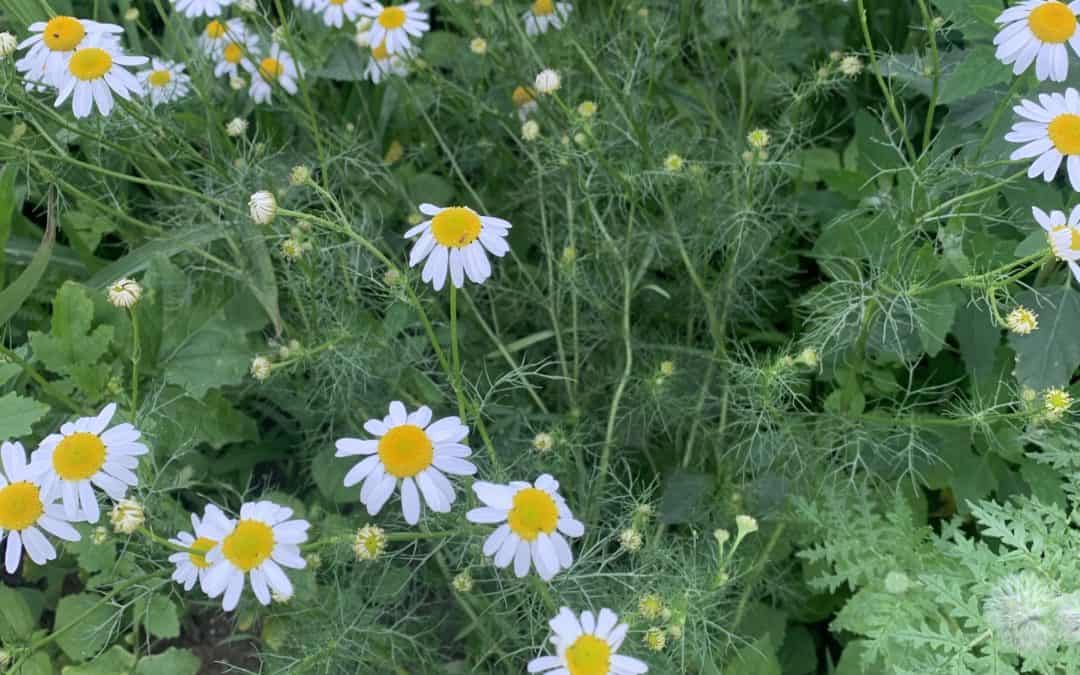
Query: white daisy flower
point(534, 517)
point(217, 34)
point(85, 454)
point(53, 43)
point(545, 14)
point(587, 645)
point(396, 24)
point(165, 81)
point(1063, 235)
point(195, 8)
point(94, 72)
point(255, 546)
point(24, 508)
point(1036, 31)
point(334, 12)
point(237, 52)
point(191, 566)
point(1050, 134)
point(279, 67)
point(384, 64)
point(455, 238)
point(412, 450)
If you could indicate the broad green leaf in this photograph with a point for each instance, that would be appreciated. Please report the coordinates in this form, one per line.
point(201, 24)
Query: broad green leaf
point(7, 211)
point(426, 187)
point(935, 313)
point(140, 258)
point(978, 71)
point(72, 346)
point(87, 625)
point(16, 619)
point(1048, 356)
point(115, 661)
point(38, 664)
point(92, 557)
point(329, 474)
point(216, 356)
point(16, 293)
point(683, 495)
point(213, 420)
point(172, 661)
point(979, 338)
point(758, 658)
point(161, 618)
point(18, 415)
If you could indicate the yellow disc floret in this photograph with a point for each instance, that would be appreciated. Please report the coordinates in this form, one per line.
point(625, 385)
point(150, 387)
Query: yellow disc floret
point(199, 548)
point(1064, 131)
point(589, 655)
point(78, 456)
point(533, 512)
point(215, 30)
point(392, 17)
point(456, 227)
point(232, 53)
point(405, 451)
point(20, 506)
point(159, 78)
point(63, 33)
point(271, 69)
point(1052, 22)
point(249, 545)
point(90, 63)
point(543, 7)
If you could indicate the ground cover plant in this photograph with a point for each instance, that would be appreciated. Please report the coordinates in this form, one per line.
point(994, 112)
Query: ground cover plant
point(683, 336)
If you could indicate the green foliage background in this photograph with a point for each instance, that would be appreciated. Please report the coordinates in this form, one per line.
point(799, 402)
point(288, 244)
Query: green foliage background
point(882, 227)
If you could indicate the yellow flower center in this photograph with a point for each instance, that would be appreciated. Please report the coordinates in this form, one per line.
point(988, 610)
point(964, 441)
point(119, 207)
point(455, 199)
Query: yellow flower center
point(391, 18)
point(159, 78)
point(456, 227)
point(199, 548)
point(406, 451)
point(1052, 22)
point(232, 53)
point(1064, 131)
point(380, 53)
point(249, 545)
point(78, 456)
point(543, 7)
point(533, 512)
point(589, 655)
point(90, 64)
point(271, 69)
point(20, 506)
point(63, 33)
point(337, 2)
point(521, 96)
point(215, 30)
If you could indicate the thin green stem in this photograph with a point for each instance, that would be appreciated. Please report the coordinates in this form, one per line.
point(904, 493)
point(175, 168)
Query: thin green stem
point(455, 354)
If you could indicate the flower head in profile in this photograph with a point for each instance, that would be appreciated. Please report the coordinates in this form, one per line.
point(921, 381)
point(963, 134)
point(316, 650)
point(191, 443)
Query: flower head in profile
point(96, 70)
point(547, 81)
point(127, 516)
point(87, 453)
point(456, 240)
point(196, 8)
point(533, 521)
point(383, 64)
point(52, 43)
point(124, 293)
point(546, 14)
point(1063, 234)
point(165, 81)
point(191, 565)
point(276, 68)
point(25, 510)
point(397, 25)
point(262, 207)
point(1036, 31)
point(411, 451)
point(253, 548)
point(587, 645)
point(8, 44)
point(1049, 134)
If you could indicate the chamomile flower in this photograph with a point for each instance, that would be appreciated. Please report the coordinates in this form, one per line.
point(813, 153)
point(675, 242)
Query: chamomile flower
point(545, 14)
point(217, 34)
point(383, 64)
point(454, 239)
point(411, 450)
point(587, 645)
point(1064, 235)
point(25, 510)
point(237, 51)
point(278, 66)
point(52, 44)
point(256, 546)
point(191, 565)
point(86, 453)
point(533, 518)
point(524, 100)
point(95, 71)
point(1036, 32)
point(1051, 134)
point(165, 81)
point(396, 25)
point(334, 12)
point(195, 8)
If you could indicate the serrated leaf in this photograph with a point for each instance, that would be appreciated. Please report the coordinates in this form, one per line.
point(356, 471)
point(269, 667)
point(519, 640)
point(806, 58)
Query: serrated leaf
point(1048, 356)
point(18, 415)
point(72, 347)
point(977, 72)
